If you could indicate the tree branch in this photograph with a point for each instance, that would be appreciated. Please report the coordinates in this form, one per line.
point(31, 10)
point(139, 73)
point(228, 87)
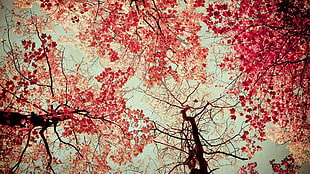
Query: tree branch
point(69, 144)
point(227, 154)
point(15, 167)
point(50, 157)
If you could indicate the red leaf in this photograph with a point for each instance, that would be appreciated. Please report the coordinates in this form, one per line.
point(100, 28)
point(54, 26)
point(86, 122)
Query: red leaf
point(33, 81)
point(233, 117)
point(241, 98)
point(232, 110)
point(245, 134)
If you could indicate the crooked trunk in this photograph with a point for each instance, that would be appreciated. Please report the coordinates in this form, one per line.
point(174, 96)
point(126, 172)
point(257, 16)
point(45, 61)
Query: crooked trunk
point(16, 119)
point(203, 165)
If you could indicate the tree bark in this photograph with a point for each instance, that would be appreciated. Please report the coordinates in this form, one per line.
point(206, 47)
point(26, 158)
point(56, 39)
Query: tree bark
point(203, 164)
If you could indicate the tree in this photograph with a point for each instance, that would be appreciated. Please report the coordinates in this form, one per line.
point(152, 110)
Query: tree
point(54, 104)
point(194, 133)
point(48, 107)
point(269, 43)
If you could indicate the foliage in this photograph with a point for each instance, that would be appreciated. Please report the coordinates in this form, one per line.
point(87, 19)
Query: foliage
point(287, 165)
point(250, 168)
point(193, 133)
point(270, 52)
point(54, 104)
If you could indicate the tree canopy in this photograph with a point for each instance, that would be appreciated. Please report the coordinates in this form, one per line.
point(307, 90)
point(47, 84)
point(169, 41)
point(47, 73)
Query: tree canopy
point(218, 78)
